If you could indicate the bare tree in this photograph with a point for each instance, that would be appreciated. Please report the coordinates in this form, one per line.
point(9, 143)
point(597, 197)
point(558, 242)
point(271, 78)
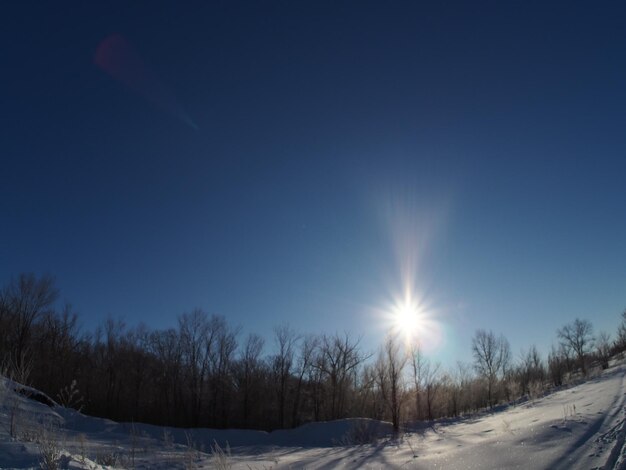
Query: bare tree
point(308, 345)
point(391, 362)
point(22, 302)
point(165, 346)
point(603, 349)
point(247, 372)
point(451, 387)
point(282, 363)
point(367, 394)
point(208, 345)
point(491, 354)
point(432, 384)
point(418, 365)
point(5, 323)
point(465, 380)
point(620, 342)
point(107, 359)
point(557, 365)
point(507, 369)
point(577, 337)
point(316, 380)
point(221, 360)
point(338, 360)
point(134, 345)
point(531, 370)
point(56, 342)
point(197, 343)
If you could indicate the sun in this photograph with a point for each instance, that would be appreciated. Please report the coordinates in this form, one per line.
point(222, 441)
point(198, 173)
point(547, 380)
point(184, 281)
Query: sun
point(407, 319)
point(413, 320)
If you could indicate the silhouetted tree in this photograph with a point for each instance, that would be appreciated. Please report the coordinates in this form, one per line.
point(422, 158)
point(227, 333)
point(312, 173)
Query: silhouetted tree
point(198, 375)
point(338, 360)
point(282, 363)
point(166, 348)
point(431, 387)
point(531, 370)
point(603, 349)
point(620, 342)
point(418, 365)
point(557, 365)
point(247, 374)
point(197, 341)
point(221, 360)
point(306, 357)
point(577, 337)
point(22, 302)
point(491, 354)
point(391, 362)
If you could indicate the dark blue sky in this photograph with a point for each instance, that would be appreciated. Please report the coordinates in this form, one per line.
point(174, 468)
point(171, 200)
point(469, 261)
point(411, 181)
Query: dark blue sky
point(339, 145)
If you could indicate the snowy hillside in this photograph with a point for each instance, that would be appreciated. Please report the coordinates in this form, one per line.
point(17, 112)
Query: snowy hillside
point(578, 427)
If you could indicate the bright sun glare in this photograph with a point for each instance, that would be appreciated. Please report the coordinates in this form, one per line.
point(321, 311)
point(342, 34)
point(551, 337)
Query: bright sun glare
point(409, 312)
point(407, 319)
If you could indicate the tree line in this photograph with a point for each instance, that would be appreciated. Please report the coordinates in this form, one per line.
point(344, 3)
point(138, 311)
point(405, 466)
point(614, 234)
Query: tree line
point(204, 373)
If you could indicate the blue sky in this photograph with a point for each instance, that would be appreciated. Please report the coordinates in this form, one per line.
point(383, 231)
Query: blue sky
point(336, 149)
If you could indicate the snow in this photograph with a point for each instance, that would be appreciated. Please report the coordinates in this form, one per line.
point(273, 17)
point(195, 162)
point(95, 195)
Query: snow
point(573, 428)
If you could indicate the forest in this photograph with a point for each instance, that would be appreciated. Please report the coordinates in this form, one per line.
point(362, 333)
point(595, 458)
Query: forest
point(204, 373)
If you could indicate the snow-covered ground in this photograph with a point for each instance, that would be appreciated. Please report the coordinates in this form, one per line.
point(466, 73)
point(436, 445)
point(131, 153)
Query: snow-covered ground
point(577, 427)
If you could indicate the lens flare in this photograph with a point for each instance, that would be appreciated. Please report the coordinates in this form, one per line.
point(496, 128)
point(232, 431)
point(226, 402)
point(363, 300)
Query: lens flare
point(409, 312)
point(116, 56)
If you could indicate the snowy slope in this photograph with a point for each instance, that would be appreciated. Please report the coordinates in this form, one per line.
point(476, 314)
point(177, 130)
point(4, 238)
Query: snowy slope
point(578, 427)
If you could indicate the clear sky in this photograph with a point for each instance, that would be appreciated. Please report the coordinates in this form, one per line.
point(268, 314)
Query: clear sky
point(310, 162)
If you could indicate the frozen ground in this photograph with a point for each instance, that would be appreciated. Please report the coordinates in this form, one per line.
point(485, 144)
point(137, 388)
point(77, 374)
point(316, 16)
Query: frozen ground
point(578, 427)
